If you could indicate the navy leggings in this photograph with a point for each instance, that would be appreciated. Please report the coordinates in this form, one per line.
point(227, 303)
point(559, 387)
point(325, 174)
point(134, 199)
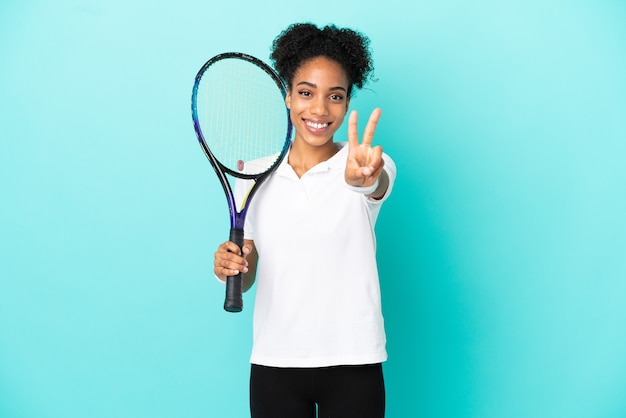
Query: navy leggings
point(338, 392)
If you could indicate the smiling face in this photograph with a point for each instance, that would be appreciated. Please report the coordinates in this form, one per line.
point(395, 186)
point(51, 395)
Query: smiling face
point(318, 101)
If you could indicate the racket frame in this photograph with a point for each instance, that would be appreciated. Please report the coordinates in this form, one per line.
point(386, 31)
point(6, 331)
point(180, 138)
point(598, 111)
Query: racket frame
point(234, 284)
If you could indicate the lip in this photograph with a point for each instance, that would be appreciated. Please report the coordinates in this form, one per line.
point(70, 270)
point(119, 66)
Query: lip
point(316, 126)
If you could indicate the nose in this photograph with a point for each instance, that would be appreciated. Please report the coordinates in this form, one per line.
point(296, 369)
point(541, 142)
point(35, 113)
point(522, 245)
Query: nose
point(319, 106)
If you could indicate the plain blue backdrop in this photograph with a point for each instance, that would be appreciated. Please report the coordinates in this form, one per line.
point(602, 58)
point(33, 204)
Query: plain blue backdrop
point(502, 250)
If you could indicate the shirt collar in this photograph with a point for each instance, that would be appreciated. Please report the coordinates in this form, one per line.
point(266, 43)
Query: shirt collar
point(337, 161)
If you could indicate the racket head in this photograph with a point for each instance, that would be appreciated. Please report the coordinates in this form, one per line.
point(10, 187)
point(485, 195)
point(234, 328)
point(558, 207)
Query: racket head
point(240, 116)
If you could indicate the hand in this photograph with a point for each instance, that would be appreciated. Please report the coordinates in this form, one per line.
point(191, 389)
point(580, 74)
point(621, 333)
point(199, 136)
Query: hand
point(365, 162)
point(229, 261)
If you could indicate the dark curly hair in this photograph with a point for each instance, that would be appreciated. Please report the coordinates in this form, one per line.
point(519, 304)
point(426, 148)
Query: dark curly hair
point(301, 42)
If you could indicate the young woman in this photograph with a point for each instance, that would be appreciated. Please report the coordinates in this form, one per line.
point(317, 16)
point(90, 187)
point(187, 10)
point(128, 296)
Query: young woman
point(319, 337)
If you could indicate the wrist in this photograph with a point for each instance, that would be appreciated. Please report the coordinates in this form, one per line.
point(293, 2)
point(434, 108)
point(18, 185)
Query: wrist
point(366, 190)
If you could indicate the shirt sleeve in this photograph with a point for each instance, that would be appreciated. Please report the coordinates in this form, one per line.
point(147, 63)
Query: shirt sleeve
point(390, 170)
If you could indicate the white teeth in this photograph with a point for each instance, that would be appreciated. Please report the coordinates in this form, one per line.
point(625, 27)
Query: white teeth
point(316, 125)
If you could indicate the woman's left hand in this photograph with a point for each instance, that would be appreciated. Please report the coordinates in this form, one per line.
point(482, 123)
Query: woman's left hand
point(365, 162)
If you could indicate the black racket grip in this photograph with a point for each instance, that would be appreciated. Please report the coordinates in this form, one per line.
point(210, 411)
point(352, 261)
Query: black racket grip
point(234, 284)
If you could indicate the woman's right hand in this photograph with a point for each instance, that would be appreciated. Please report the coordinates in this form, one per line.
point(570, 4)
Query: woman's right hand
point(229, 261)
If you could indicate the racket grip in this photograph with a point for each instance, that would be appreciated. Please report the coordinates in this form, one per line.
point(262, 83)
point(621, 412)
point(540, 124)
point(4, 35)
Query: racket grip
point(234, 284)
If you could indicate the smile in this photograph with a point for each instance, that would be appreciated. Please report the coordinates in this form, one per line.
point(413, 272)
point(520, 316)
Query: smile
point(316, 125)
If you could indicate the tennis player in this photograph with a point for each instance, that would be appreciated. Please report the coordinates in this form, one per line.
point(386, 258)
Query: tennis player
point(319, 338)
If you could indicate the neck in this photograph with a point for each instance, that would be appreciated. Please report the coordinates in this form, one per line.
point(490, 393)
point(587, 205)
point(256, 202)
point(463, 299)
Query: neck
point(303, 157)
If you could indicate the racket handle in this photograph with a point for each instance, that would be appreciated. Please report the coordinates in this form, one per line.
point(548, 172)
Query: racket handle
point(234, 284)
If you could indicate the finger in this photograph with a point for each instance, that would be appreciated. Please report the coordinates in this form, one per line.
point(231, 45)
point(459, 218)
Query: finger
point(231, 266)
point(234, 269)
point(229, 272)
point(373, 177)
point(353, 134)
point(378, 169)
point(375, 157)
point(374, 161)
point(246, 250)
point(228, 254)
point(234, 261)
point(230, 247)
point(370, 128)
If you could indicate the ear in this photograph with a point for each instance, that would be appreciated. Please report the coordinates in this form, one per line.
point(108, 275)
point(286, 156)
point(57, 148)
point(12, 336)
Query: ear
point(288, 99)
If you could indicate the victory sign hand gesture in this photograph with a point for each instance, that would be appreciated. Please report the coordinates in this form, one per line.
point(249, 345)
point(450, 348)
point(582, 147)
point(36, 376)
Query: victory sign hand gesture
point(365, 163)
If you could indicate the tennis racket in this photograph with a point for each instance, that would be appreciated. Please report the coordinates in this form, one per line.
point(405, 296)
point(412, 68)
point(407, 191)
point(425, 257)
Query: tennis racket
point(243, 126)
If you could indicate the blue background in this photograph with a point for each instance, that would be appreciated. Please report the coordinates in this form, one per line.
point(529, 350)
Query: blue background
point(502, 249)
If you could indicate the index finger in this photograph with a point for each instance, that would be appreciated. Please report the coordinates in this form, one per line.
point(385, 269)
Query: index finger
point(353, 134)
point(231, 247)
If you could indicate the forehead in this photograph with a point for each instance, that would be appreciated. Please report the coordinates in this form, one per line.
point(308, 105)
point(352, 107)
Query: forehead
point(321, 71)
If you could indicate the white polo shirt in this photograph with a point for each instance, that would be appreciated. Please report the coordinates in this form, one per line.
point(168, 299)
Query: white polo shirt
point(318, 296)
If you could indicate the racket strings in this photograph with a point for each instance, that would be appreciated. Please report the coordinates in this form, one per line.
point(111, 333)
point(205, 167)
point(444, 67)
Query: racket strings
point(242, 114)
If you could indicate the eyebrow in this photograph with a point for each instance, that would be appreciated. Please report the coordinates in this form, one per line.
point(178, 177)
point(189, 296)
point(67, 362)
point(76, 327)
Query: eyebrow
point(306, 83)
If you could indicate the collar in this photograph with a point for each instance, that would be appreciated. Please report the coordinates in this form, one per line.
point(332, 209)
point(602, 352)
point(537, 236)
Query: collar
point(337, 161)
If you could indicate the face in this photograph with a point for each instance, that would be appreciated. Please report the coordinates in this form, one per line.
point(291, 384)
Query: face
point(318, 101)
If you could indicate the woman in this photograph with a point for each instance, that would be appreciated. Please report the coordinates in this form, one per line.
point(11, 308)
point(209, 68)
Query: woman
point(318, 329)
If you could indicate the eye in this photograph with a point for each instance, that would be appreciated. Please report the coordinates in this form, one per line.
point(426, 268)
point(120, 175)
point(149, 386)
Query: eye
point(336, 97)
point(304, 93)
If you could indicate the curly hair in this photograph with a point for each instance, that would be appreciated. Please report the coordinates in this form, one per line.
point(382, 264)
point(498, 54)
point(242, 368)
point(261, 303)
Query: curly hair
point(301, 42)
